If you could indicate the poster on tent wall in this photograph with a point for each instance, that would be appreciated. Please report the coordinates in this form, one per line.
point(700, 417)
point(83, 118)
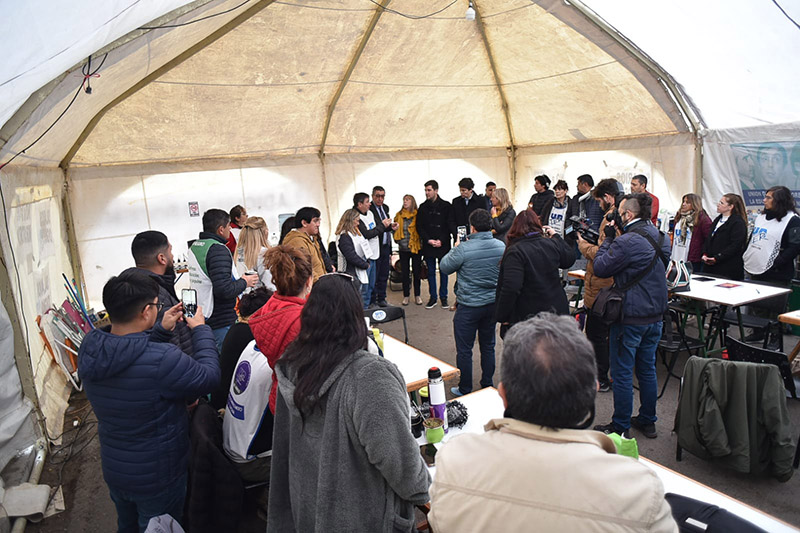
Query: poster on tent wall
point(764, 165)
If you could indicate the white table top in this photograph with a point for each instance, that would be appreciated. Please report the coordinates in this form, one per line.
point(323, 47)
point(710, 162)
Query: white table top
point(792, 317)
point(743, 293)
point(580, 274)
point(486, 404)
point(414, 364)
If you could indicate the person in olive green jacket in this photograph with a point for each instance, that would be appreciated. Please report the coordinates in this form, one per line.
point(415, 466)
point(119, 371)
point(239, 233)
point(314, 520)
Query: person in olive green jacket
point(730, 411)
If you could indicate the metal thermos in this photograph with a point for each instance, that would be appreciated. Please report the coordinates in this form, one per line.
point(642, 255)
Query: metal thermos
point(416, 423)
point(436, 395)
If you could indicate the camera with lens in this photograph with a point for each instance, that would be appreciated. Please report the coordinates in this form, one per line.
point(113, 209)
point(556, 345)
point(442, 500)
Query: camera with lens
point(583, 227)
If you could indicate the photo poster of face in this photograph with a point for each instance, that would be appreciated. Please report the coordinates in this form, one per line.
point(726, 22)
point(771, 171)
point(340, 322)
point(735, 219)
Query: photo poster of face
point(764, 165)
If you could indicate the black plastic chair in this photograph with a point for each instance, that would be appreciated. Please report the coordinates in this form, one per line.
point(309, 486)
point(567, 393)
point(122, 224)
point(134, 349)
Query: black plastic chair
point(674, 341)
point(739, 351)
point(382, 315)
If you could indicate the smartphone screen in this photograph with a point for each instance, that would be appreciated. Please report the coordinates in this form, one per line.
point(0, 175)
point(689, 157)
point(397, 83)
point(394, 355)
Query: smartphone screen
point(428, 452)
point(462, 232)
point(189, 300)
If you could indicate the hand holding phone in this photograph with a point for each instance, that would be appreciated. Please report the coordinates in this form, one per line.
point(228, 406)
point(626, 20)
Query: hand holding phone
point(189, 301)
point(197, 320)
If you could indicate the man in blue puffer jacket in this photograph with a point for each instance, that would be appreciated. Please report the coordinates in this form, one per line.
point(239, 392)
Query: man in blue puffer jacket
point(633, 342)
point(137, 383)
point(477, 261)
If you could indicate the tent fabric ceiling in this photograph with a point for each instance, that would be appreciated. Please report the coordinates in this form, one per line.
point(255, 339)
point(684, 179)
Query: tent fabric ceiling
point(264, 88)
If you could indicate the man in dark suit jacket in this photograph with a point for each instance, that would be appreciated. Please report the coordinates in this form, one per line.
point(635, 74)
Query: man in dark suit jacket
point(381, 212)
point(433, 218)
point(464, 205)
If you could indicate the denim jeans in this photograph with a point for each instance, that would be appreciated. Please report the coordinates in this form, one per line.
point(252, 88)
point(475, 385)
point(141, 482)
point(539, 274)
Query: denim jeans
point(466, 322)
point(634, 347)
point(366, 288)
point(219, 336)
point(431, 262)
point(135, 511)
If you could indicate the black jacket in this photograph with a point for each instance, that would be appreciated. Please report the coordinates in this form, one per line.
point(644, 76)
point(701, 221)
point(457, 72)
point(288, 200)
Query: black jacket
point(433, 223)
point(219, 265)
point(237, 339)
point(459, 215)
point(502, 223)
point(529, 282)
point(385, 248)
point(215, 493)
point(542, 201)
point(726, 245)
point(352, 259)
point(181, 336)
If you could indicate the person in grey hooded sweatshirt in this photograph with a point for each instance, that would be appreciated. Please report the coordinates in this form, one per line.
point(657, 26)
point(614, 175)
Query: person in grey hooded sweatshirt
point(343, 457)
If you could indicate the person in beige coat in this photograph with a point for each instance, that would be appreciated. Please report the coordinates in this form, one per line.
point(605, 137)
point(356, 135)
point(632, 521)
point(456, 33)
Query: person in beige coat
point(306, 230)
point(538, 469)
point(605, 193)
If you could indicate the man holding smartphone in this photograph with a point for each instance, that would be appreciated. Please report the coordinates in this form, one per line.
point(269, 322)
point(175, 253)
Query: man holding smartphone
point(152, 253)
point(213, 275)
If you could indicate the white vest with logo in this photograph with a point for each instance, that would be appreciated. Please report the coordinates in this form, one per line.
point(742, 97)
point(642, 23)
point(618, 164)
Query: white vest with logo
point(375, 242)
point(765, 243)
point(199, 279)
point(248, 403)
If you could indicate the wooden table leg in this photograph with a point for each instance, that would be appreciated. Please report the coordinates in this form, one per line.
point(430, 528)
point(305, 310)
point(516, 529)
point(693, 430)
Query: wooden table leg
point(794, 352)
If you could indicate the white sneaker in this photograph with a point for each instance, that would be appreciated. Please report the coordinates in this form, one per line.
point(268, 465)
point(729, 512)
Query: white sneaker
point(418, 300)
point(405, 300)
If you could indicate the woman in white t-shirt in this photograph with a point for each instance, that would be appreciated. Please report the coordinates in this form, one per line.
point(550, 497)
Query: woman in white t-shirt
point(252, 245)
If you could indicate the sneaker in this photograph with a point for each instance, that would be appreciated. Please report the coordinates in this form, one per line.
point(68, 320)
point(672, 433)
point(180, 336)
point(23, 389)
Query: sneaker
point(453, 307)
point(605, 386)
point(444, 303)
point(455, 391)
point(648, 430)
point(612, 428)
point(405, 300)
point(417, 300)
point(371, 306)
point(431, 303)
point(382, 303)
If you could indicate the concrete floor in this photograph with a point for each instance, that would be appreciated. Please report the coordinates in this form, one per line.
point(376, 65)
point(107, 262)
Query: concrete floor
point(89, 508)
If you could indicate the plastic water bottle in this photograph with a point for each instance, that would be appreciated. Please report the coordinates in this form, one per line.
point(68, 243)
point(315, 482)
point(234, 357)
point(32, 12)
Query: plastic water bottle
point(436, 395)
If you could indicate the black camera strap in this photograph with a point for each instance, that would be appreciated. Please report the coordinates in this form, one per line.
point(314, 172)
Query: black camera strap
point(657, 247)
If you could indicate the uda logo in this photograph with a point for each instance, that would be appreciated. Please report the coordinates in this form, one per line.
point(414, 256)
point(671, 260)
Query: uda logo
point(379, 315)
point(759, 234)
point(242, 377)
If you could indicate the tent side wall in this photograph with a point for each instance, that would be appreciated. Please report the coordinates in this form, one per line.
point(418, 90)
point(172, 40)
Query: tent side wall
point(36, 256)
point(112, 204)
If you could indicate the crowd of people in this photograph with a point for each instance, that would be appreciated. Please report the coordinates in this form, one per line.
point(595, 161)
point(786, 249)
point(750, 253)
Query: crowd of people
point(278, 343)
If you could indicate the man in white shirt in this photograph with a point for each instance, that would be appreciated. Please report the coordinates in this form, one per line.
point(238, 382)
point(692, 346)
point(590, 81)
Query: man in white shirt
point(373, 232)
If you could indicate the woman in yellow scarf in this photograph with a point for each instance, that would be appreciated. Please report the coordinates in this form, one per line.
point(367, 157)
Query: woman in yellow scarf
point(407, 239)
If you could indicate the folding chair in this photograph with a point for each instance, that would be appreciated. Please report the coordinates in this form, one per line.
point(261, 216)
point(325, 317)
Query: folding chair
point(674, 341)
point(774, 306)
point(739, 351)
point(387, 314)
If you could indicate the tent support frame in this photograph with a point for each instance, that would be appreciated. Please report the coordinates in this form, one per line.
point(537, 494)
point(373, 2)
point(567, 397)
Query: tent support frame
point(349, 72)
point(166, 67)
point(512, 148)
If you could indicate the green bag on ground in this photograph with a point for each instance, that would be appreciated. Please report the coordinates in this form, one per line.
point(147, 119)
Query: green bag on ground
point(625, 446)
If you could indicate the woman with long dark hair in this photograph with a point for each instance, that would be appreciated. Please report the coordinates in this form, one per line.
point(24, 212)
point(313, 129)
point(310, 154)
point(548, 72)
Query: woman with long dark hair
point(722, 254)
point(529, 281)
point(343, 457)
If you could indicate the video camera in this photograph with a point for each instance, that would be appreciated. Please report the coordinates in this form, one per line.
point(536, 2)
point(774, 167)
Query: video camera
point(583, 226)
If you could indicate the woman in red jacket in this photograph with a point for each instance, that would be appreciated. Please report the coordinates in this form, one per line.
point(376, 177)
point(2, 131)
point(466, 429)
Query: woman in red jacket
point(276, 324)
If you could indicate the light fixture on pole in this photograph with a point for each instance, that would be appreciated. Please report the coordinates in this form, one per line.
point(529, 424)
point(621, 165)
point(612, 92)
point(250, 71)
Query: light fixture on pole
point(470, 12)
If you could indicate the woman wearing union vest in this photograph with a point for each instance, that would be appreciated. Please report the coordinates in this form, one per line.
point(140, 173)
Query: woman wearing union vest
point(775, 241)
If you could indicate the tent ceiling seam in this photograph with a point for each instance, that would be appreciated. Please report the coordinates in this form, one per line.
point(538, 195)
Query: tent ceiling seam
point(688, 111)
point(166, 67)
point(376, 15)
point(511, 144)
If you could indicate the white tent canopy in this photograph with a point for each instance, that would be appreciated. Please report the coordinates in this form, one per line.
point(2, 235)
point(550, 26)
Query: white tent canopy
point(279, 104)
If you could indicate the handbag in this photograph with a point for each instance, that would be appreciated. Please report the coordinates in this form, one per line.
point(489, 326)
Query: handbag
point(423, 269)
point(678, 276)
point(609, 304)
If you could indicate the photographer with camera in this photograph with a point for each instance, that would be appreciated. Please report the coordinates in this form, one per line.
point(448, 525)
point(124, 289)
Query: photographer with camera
point(606, 193)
